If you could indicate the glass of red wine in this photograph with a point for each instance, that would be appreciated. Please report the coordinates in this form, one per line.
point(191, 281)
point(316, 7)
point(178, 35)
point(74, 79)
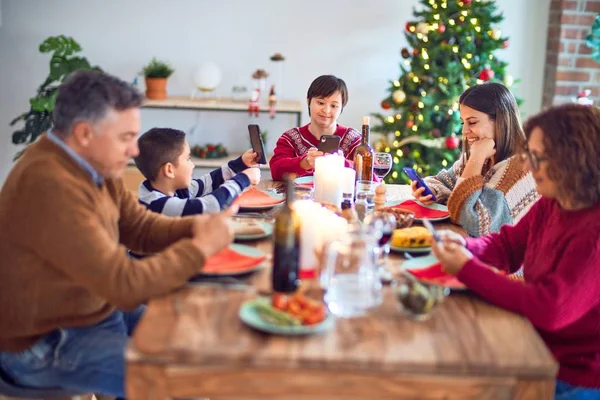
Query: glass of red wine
point(381, 225)
point(382, 164)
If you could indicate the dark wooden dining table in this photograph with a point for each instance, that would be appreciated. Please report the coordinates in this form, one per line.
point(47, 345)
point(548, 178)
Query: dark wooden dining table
point(191, 344)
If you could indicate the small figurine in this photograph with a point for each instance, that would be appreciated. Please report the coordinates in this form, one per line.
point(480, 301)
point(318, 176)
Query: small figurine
point(253, 105)
point(379, 198)
point(583, 98)
point(272, 102)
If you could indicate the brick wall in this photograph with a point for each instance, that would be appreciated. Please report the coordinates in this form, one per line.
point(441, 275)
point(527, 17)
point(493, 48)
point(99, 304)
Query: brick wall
point(569, 66)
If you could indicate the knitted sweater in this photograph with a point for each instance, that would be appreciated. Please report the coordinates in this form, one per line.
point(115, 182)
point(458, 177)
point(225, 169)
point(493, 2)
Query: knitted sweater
point(293, 145)
point(482, 204)
point(560, 254)
point(211, 193)
point(63, 244)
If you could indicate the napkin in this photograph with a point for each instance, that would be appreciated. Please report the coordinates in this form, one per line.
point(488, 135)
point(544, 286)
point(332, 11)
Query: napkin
point(255, 198)
point(435, 274)
point(421, 211)
point(229, 261)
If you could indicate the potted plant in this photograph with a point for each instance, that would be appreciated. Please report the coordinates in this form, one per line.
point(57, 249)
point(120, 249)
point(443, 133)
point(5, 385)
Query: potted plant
point(156, 73)
point(65, 59)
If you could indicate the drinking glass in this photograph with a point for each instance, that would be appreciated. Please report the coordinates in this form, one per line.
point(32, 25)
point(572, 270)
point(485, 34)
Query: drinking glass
point(368, 188)
point(382, 164)
point(349, 277)
point(381, 225)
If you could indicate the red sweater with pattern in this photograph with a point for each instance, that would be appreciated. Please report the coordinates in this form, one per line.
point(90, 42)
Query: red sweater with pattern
point(293, 145)
point(560, 295)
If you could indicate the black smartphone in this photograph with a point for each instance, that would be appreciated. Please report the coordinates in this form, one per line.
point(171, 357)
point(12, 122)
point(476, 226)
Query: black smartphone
point(329, 143)
point(257, 144)
point(414, 176)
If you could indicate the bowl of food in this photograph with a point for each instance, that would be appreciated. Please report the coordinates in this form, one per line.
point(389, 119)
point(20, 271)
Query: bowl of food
point(417, 300)
point(404, 218)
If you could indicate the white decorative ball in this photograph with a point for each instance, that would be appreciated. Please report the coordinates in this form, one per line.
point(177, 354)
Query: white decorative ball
point(496, 34)
point(422, 28)
point(399, 96)
point(208, 77)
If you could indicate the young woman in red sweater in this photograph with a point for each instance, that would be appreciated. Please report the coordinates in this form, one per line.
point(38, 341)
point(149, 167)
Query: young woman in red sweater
point(296, 150)
point(557, 243)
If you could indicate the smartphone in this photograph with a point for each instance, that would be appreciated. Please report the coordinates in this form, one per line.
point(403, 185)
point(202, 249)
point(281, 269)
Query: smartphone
point(412, 174)
point(257, 144)
point(431, 229)
point(329, 143)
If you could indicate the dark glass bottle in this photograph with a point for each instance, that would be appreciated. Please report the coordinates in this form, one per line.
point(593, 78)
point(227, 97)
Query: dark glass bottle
point(286, 245)
point(364, 154)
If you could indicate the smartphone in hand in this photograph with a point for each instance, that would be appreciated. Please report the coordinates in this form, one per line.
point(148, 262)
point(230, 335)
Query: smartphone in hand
point(329, 143)
point(431, 229)
point(257, 144)
point(414, 176)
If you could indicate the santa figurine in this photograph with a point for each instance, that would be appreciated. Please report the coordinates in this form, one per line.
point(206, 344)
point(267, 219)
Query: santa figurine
point(253, 105)
point(583, 98)
point(272, 102)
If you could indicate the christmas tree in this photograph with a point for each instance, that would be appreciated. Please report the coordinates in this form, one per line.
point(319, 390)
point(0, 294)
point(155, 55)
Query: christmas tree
point(451, 47)
point(593, 39)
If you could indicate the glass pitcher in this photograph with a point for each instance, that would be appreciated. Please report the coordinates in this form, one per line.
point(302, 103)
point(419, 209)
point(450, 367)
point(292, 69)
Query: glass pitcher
point(349, 275)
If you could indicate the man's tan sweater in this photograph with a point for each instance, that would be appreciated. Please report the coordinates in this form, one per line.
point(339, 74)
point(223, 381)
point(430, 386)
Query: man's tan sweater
point(63, 242)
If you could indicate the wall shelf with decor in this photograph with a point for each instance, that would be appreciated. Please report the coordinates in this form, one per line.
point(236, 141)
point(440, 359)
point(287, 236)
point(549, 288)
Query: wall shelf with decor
point(294, 107)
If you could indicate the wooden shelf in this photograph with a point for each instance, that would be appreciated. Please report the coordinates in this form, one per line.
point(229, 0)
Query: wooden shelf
point(220, 104)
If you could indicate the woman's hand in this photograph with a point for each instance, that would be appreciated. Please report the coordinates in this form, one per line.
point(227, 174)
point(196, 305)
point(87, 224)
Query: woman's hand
point(309, 160)
point(418, 193)
point(451, 237)
point(250, 158)
point(483, 149)
point(452, 256)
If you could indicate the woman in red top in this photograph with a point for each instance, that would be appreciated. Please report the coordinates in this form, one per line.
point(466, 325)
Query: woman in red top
point(558, 244)
point(296, 149)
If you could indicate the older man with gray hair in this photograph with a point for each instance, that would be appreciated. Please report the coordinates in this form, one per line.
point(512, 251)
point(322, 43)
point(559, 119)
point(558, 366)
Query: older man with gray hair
point(70, 296)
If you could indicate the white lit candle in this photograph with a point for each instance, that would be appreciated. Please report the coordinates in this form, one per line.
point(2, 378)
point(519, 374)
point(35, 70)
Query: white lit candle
point(348, 178)
point(328, 185)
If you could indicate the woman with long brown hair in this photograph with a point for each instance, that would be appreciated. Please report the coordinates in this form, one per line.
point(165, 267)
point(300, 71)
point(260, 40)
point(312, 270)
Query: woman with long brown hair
point(486, 188)
point(557, 243)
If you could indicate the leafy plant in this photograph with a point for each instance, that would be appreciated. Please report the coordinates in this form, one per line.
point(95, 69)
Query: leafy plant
point(593, 39)
point(157, 69)
point(65, 59)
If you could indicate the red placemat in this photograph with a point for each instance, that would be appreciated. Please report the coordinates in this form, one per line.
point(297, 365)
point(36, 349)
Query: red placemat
point(256, 198)
point(228, 261)
point(420, 211)
point(435, 274)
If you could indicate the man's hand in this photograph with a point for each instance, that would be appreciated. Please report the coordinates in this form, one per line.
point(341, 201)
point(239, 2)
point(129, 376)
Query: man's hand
point(211, 233)
point(253, 174)
point(250, 158)
point(452, 256)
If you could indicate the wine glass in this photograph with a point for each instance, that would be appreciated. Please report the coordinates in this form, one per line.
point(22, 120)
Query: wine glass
point(382, 164)
point(381, 225)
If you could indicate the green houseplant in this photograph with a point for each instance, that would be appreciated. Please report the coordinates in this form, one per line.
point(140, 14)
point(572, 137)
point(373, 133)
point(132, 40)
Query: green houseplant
point(593, 39)
point(65, 59)
point(156, 73)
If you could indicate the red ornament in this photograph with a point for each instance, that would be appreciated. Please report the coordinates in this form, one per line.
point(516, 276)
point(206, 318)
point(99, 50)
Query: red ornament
point(452, 142)
point(408, 26)
point(467, 2)
point(486, 74)
point(504, 44)
point(442, 28)
point(415, 52)
point(410, 123)
point(386, 105)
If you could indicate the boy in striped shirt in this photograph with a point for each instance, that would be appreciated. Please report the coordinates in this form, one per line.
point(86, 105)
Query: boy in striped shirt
point(165, 161)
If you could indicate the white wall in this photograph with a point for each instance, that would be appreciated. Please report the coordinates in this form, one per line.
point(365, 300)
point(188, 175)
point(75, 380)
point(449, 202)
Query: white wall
point(358, 41)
